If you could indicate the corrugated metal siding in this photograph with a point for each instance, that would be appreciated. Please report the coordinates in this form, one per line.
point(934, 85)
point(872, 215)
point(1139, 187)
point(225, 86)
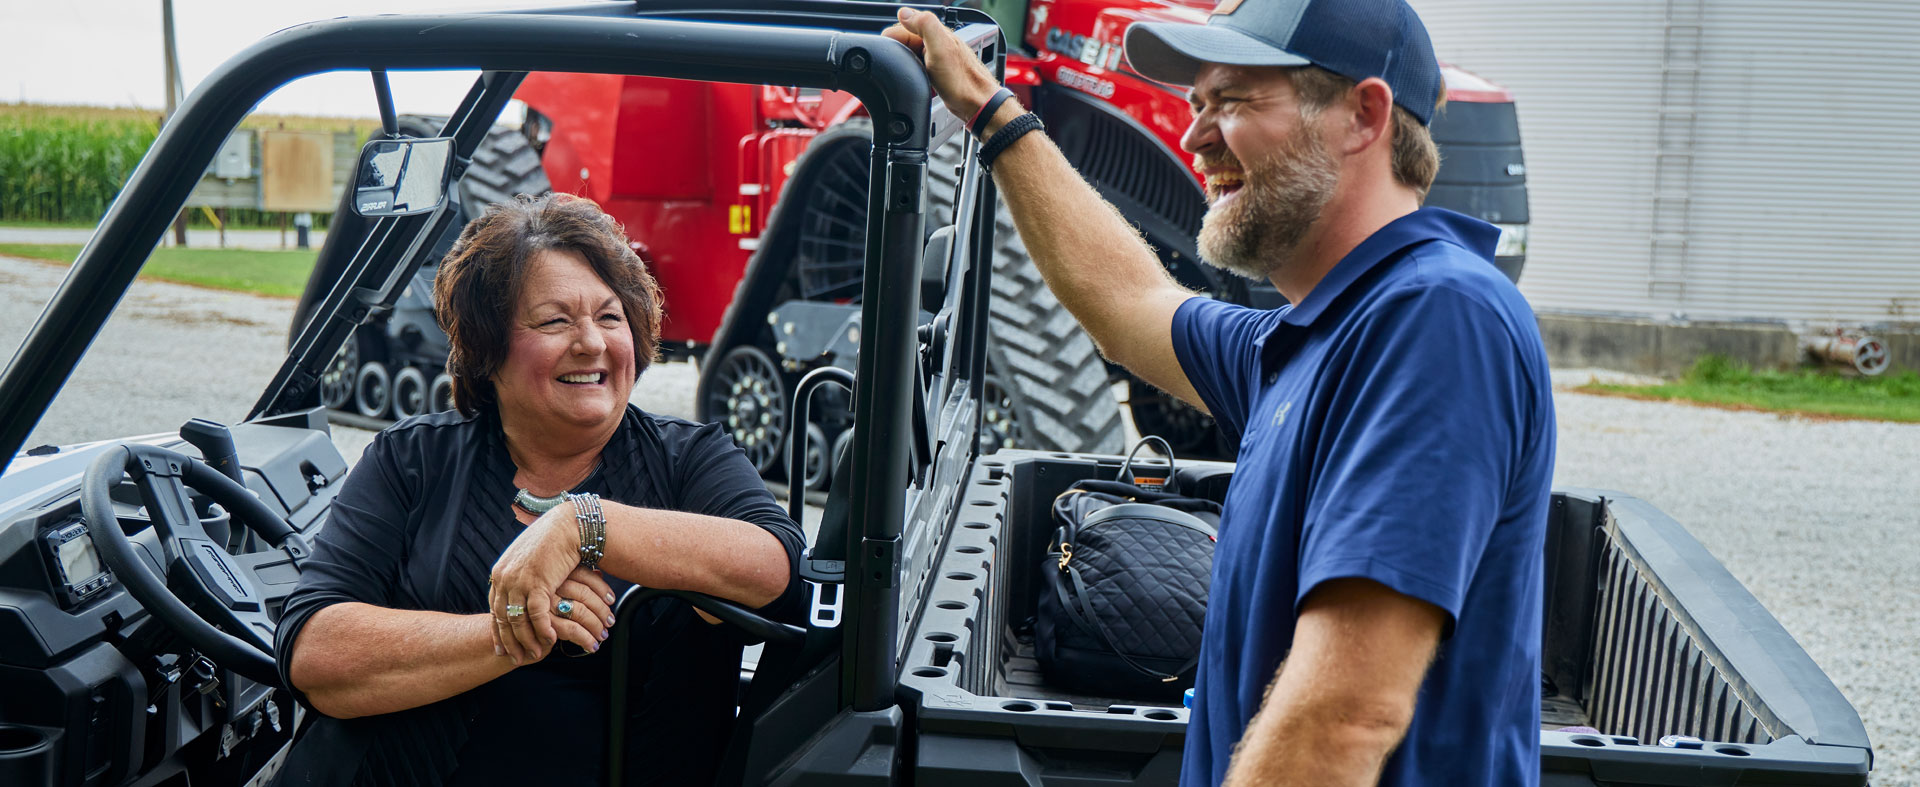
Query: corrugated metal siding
point(1781, 182)
point(1807, 179)
point(1583, 75)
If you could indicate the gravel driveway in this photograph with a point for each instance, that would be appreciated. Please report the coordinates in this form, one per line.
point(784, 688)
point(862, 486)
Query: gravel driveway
point(170, 352)
point(1821, 520)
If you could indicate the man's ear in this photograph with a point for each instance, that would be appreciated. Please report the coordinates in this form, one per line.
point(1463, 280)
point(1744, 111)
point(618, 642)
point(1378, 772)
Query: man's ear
point(1369, 116)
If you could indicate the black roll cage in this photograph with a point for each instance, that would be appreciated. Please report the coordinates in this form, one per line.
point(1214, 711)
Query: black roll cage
point(829, 44)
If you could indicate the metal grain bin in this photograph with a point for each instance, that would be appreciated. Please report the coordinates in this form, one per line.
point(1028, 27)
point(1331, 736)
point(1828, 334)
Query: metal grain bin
point(1719, 161)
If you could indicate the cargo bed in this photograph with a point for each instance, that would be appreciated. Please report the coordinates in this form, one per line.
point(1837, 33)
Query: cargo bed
point(1646, 636)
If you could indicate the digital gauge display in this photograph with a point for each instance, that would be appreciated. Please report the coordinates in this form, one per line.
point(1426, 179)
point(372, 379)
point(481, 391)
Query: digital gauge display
point(78, 559)
point(80, 574)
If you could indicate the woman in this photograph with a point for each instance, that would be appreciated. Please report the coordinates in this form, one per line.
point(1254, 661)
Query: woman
point(424, 627)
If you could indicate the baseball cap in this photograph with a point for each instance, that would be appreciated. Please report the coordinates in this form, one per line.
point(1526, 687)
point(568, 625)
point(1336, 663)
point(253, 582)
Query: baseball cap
point(1356, 39)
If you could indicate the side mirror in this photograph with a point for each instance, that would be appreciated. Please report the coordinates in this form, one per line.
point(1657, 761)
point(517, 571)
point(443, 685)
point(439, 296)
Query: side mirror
point(401, 177)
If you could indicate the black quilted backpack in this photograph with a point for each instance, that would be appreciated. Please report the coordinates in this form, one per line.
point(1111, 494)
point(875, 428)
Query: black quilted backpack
point(1126, 587)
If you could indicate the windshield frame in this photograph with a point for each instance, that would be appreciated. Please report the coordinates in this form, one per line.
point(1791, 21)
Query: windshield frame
point(755, 42)
point(889, 81)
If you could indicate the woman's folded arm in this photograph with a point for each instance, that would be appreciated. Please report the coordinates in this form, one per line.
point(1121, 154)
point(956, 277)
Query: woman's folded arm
point(353, 659)
point(728, 558)
point(728, 537)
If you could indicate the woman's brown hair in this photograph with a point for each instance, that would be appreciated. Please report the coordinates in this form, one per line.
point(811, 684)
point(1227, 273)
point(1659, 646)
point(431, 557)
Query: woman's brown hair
point(479, 284)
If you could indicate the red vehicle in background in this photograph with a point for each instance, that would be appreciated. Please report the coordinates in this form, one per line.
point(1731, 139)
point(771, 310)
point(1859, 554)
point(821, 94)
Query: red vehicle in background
point(750, 203)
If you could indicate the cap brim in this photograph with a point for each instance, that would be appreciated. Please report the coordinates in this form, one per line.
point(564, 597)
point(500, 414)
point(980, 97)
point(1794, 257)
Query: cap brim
point(1173, 52)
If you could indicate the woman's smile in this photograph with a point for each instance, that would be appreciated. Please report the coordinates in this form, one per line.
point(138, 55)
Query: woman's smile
point(593, 378)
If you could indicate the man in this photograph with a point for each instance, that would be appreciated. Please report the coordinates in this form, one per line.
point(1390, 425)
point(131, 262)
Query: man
point(1376, 603)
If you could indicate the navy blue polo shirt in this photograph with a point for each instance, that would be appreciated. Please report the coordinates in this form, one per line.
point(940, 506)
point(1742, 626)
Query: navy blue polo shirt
point(1396, 425)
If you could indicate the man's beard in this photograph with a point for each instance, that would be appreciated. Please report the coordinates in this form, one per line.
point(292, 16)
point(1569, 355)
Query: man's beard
point(1279, 199)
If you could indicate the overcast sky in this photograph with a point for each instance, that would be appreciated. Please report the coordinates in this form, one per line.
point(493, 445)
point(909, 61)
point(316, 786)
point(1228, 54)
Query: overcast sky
point(108, 52)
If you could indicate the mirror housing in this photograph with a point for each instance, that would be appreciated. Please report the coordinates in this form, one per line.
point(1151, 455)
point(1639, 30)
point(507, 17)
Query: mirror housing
point(401, 177)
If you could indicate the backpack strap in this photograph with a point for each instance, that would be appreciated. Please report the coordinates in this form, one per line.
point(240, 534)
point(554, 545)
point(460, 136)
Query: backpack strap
point(1092, 623)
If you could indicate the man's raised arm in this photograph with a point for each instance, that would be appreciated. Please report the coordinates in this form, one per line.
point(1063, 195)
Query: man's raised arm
point(1091, 257)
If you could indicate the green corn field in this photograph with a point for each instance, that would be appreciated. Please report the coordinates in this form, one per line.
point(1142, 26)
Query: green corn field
point(64, 164)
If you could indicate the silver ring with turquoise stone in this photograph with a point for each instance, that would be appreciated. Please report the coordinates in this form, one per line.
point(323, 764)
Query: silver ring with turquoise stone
point(565, 607)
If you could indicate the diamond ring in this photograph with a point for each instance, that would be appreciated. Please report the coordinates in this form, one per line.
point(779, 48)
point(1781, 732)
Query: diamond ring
point(516, 610)
point(565, 607)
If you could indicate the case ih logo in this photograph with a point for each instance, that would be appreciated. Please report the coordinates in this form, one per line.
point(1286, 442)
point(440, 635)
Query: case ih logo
point(1086, 49)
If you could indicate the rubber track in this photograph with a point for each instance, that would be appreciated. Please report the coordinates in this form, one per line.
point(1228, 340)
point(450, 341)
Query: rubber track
point(1056, 376)
point(504, 166)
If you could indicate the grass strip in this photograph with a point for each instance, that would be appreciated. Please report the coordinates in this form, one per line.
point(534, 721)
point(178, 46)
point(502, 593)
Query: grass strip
point(276, 273)
point(32, 224)
point(1722, 382)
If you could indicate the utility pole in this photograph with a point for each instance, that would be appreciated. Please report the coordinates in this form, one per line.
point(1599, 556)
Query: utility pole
point(172, 57)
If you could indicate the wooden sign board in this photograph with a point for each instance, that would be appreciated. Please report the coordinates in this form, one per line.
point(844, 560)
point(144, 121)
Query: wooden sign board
point(296, 171)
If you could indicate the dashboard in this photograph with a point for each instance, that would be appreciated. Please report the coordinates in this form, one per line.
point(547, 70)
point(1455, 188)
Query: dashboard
point(119, 698)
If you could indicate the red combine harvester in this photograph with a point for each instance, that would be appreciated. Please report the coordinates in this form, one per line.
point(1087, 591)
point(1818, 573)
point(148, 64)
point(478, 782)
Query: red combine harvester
point(750, 204)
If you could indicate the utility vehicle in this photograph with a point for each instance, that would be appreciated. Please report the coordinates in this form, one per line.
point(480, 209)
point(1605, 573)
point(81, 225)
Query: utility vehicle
point(140, 580)
point(748, 202)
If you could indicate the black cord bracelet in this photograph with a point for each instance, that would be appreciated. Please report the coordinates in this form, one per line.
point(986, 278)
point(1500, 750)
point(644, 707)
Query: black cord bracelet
point(1006, 136)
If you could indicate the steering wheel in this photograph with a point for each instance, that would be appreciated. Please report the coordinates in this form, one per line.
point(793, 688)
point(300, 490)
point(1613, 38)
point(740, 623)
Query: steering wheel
point(223, 614)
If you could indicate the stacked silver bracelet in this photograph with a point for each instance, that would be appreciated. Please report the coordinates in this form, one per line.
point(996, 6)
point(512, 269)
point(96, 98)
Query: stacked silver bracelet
point(593, 529)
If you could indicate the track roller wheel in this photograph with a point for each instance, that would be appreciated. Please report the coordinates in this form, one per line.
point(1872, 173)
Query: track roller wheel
point(373, 390)
point(410, 393)
point(440, 394)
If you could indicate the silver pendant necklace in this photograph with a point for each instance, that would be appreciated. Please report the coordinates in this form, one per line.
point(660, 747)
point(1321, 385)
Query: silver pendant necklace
point(538, 505)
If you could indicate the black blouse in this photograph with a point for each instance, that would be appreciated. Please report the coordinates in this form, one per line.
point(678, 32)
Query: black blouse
point(419, 523)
